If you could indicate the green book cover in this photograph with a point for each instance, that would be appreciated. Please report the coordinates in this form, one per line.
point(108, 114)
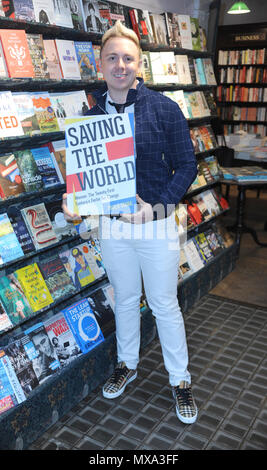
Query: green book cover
point(14, 299)
point(29, 172)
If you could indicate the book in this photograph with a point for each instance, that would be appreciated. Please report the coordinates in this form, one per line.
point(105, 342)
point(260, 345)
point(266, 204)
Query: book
point(95, 20)
point(61, 337)
point(69, 104)
point(179, 98)
point(41, 352)
point(46, 167)
point(34, 286)
point(201, 203)
point(29, 172)
point(103, 311)
point(14, 299)
point(93, 257)
point(22, 366)
point(185, 269)
point(159, 28)
point(203, 247)
point(3, 67)
point(222, 233)
point(201, 71)
point(20, 229)
point(193, 256)
point(173, 31)
point(11, 393)
point(10, 125)
point(86, 60)
point(185, 31)
point(102, 181)
point(5, 322)
point(52, 59)
point(59, 150)
point(62, 228)
point(56, 277)
point(37, 53)
point(209, 71)
point(195, 34)
point(163, 67)
point(77, 267)
point(68, 59)
point(44, 112)
point(214, 166)
point(17, 54)
point(39, 225)
point(99, 74)
point(62, 14)
point(139, 25)
point(83, 325)
point(8, 8)
point(10, 180)
point(77, 15)
point(183, 70)
point(44, 11)
point(109, 293)
point(50, 147)
point(10, 248)
point(24, 10)
point(215, 243)
point(26, 113)
point(146, 72)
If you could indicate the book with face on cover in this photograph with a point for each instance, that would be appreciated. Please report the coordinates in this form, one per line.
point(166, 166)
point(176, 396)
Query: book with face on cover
point(96, 14)
point(9, 118)
point(77, 14)
point(173, 29)
point(22, 365)
point(86, 60)
point(17, 54)
point(77, 266)
point(69, 104)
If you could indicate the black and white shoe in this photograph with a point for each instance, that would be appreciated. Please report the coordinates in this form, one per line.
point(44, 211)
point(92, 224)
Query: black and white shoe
point(186, 408)
point(117, 382)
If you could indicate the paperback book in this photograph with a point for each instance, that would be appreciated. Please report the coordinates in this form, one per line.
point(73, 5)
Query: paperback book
point(5, 322)
point(44, 11)
point(22, 366)
point(69, 104)
point(56, 277)
point(62, 14)
point(193, 256)
point(203, 247)
point(93, 258)
point(9, 119)
point(159, 28)
point(34, 286)
point(17, 54)
point(52, 59)
point(26, 113)
point(20, 229)
point(76, 9)
point(14, 299)
point(215, 243)
point(196, 40)
point(39, 225)
point(185, 31)
point(95, 17)
point(59, 151)
point(184, 267)
point(86, 60)
point(77, 267)
point(46, 166)
point(10, 248)
point(44, 112)
point(11, 393)
point(24, 10)
point(37, 53)
point(29, 172)
point(173, 31)
point(68, 59)
point(103, 311)
point(10, 180)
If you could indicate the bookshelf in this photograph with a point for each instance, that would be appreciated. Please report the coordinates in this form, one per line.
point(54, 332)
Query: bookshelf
point(67, 386)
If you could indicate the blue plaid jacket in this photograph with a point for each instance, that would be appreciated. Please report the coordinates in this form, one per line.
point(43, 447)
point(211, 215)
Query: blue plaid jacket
point(165, 159)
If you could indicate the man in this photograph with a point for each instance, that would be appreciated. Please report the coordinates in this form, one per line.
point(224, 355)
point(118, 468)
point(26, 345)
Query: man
point(165, 168)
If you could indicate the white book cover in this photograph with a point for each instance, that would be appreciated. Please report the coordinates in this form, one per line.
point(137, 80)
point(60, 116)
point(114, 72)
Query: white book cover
point(69, 104)
point(10, 122)
point(209, 71)
point(68, 59)
point(178, 97)
point(163, 67)
point(62, 13)
point(100, 164)
point(185, 31)
point(202, 103)
point(44, 11)
point(193, 255)
point(183, 70)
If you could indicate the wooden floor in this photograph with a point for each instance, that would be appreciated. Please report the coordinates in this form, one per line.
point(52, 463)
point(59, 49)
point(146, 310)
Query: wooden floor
point(248, 282)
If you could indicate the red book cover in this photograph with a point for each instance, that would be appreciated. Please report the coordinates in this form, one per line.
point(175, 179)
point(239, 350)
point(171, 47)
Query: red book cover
point(17, 54)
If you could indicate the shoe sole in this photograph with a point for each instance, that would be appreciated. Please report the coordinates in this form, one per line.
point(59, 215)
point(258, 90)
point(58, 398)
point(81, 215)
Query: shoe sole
point(119, 392)
point(186, 420)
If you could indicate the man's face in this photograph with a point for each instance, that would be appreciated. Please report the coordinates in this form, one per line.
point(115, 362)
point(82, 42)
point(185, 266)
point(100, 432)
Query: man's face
point(120, 63)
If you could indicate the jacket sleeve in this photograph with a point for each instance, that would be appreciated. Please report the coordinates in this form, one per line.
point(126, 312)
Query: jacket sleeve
point(179, 155)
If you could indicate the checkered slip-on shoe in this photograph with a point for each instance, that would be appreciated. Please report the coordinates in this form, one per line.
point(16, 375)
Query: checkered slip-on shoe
point(116, 384)
point(186, 408)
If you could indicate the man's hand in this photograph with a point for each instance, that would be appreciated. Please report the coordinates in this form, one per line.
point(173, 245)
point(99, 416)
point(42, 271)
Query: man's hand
point(67, 214)
point(144, 213)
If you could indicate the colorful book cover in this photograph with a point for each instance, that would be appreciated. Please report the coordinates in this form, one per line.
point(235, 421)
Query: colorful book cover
point(96, 49)
point(201, 71)
point(10, 248)
point(17, 54)
point(26, 113)
point(24, 10)
point(216, 245)
point(5, 322)
point(107, 185)
point(203, 247)
point(10, 180)
point(41, 352)
point(139, 25)
point(39, 225)
point(62, 228)
point(8, 7)
point(10, 122)
point(83, 325)
point(34, 286)
point(11, 393)
point(196, 41)
point(14, 299)
point(20, 229)
point(103, 311)
point(93, 259)
point(62, 339)
point(22, 366)
point(68, 59)
point(56, 277)
point(146, 72)
point(52, 59)
point(69, 104)
point(45, 166)
point(86, 60)
point(44, 112)
point(77, 267)
point(29, 172)
point(37, 53)
point(94, 247)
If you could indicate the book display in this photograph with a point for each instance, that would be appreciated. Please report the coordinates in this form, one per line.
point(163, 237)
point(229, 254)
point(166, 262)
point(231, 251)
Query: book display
point(56, 304)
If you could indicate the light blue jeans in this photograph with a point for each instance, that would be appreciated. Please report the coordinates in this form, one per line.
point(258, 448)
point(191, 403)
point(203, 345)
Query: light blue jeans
point(151, 251)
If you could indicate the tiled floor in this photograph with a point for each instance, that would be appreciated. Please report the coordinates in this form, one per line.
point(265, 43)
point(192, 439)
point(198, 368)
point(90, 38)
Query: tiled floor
point(228, 363)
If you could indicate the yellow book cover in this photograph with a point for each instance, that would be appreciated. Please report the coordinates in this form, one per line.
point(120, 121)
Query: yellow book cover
point(34, 286)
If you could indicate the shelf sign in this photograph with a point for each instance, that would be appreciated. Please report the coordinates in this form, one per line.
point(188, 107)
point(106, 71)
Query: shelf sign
point(250, 37)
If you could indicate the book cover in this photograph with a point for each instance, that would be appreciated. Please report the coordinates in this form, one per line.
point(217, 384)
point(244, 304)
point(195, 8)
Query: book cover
point(196, 41)
point(8, 8)
point(99, 74)
point(14, 300)
point(62, 13)
point(5, 322)
point(77, 14)
point(46, 166)
point(11, 393)
point(44, 112)
point(9, 119)
point(44, 11)
point(41, 352)
point(22, 366)
point(29, 172)
point(203, 247)
point(17, 54)
point(101, 307)
point(109, 293)
point(193, 256)
point(83, 325)
point(106, 184)
point(39, 225)
point(95, 20)
point(3, 67)
point(26, 113)
point(69, 104)
point(10, 180)
point(139, 24)
point(209, 71)
point(24, 10)
point(201, 71)
point(173, 29)
point(159, 28)
point(93, 257)
point(61, 227)
point(86, 60)
point(199, 200)
point(50, 147)
point(178, 97)
point(185, 31)
point(56, 277)
point(68, 59)
point(163, 67)
point(146, 72)
point(183, 70)
point(185, 269)
point(216, 245)
point(77, 267)
point(59, 150)
point(37, 53)
point(10, 248)
point(20, 229)
point(34, 286)
point(61, 337)
point(52, 59)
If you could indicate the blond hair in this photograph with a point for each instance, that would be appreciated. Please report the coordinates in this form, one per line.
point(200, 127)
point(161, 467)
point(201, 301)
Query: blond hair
point(120, 31)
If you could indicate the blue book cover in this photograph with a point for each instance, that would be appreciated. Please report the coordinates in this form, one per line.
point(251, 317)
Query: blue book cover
point(46, 166)
point(10, 248)
point(201, 71)
point(20, 229)
point(83, 325)
point(86, 60)
point(11, 392)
